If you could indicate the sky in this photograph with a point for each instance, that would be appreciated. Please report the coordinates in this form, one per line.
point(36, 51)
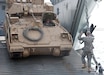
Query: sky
point(97, 16)
point(47, 0)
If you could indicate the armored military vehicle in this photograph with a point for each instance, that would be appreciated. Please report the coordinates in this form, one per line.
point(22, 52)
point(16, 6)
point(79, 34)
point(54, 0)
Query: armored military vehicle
point(32, 29)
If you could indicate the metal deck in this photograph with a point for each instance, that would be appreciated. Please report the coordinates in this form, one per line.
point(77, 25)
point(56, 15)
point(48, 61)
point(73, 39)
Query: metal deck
point(41, 65)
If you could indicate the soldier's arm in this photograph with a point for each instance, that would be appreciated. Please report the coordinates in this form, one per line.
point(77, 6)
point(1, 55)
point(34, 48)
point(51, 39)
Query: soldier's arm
point(79, 37)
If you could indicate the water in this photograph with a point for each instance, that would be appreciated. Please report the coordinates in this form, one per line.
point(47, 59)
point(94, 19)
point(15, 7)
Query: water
point(99, 45)
point(97, 19)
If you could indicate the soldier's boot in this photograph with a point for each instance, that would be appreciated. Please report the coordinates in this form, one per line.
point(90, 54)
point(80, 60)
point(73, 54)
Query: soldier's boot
point(83, 66)
point(89, 70)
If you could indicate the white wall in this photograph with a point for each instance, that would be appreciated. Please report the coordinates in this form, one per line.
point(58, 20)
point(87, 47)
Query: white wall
point(66, 12)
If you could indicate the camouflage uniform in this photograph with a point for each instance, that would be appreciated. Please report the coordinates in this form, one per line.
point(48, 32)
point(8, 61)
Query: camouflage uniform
point(88, 47)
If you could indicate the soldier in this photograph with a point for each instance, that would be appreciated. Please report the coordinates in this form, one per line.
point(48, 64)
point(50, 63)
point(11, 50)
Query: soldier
point(87, 49)
point(48, 22)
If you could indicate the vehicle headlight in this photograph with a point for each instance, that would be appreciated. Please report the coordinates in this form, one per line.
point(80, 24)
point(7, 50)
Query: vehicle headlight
point(14, 37)
point(64, 35)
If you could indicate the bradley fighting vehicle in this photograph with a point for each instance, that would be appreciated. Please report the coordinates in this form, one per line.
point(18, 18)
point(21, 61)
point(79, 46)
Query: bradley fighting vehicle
point(32, 29)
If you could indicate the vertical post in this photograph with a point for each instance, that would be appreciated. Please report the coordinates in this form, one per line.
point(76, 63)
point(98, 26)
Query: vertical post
point(77, 17)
